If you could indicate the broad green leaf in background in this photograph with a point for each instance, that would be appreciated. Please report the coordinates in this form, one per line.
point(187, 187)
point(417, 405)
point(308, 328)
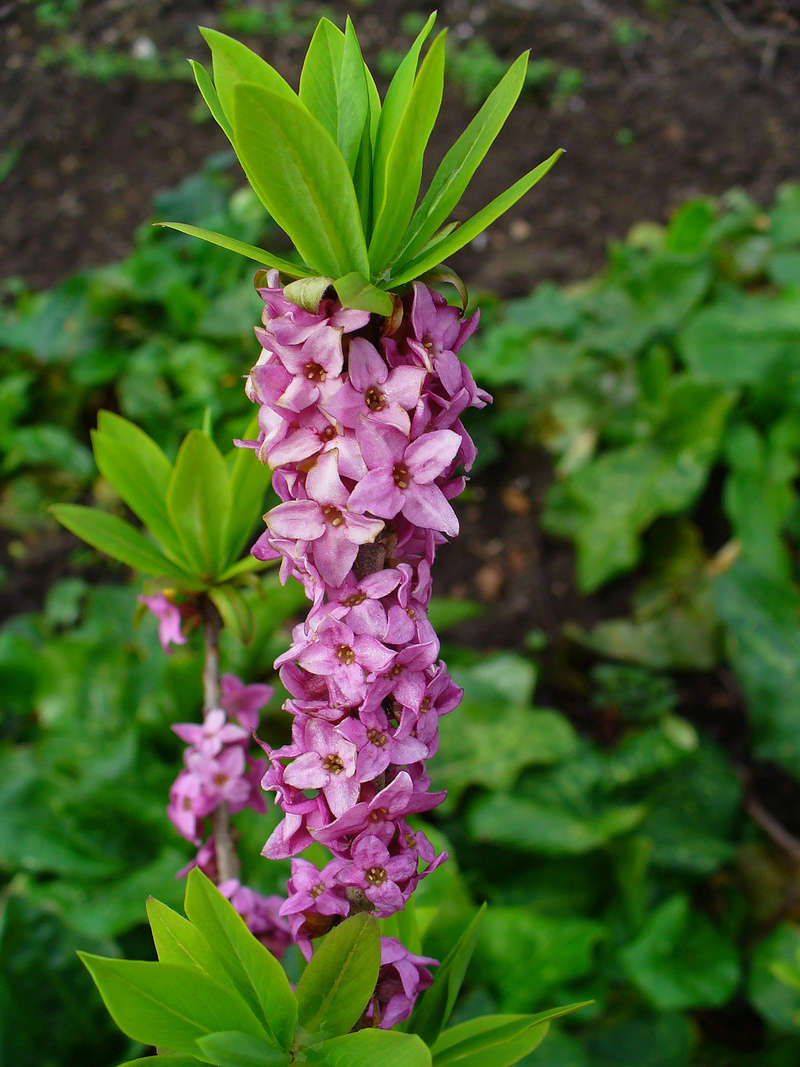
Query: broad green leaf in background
point(407, 271)
point(525, 956)
point(259, 255)
point(232, 1049)
point(256, 973)
point(397, 186)
point(436, 1003)
point(777, 1000)
point(249, 481)
point(199, 500)
point(167, 1059)
point(301, 178)
point(463, 159)
point(368, 1048)
point(763, 639)
point(644, 1039)
point(336, 985)
point(119, 540)
point(607, 503)
point(679, 960)
point(168, 1006)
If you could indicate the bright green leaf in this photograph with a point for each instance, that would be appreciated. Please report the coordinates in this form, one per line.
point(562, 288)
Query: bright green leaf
point(398, 174)
point(458, 166)
point(253, 969)
point(199, 501)
point(468, 231)
point(118, 539)
point(371, 1047)
point(336, 985)
point(232, 1049)
point(259, 255)
point(489, 1041)
point(160, 1004)
point(773, 997)
point(209, 94)
point(319, 78)
point(178, 941)
point(301, 178)
point(307, 292)
point(434, 1007)
point(355, 291)
point(234, 63)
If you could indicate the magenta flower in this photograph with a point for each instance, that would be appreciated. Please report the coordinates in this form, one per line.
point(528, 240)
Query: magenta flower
point(328, 763)
point(380, 395)
point(214, 733)
point(325, 521)
point(378, 873)
point(400, 478)
point(242, 701)
point(401, 978)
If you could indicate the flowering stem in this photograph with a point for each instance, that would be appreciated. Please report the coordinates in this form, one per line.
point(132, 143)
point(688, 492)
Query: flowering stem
point(228, 865)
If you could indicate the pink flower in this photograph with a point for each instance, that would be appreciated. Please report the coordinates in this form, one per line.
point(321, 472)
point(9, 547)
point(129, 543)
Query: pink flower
point(377, 873)
point(400, 478)
point(169, 620)
point(375, 392)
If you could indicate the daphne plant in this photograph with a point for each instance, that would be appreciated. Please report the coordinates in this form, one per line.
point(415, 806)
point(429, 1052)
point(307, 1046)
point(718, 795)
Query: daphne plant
point(360, 394)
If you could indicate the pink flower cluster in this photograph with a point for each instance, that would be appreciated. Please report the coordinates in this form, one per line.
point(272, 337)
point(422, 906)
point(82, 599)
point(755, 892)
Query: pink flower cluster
point(360, 421)
point(218, 769)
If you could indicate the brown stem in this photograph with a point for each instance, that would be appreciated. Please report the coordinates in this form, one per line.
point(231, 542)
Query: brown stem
point(227, 858)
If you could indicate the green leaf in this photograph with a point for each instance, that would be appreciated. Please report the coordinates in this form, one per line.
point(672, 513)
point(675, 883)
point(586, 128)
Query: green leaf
point(336, 985)
point(141, 478)
point(355, 291)
point(398, 172)
point(434, 1008)
point(246, 565)
point(177, 941)
point(301, 178)
point(763, 638)
point(168, 1059)
point(232, 1049)
point(489, 1041)
point(199, 501)
point(777, 1000)
point(406, 271)
point(234, 611)
point(307, 292)
point(458, 166)
point(679, 961)
point(259, 255)
point(234, 63)
point(209, 94)
point(253, 969)
point(118, 539)
point(390, 115)
point(368, 1048)
point(167, 1006)
point(525, 956)
point(353, 99)
point(608, 502)
point(319, 78)
point(249, 481)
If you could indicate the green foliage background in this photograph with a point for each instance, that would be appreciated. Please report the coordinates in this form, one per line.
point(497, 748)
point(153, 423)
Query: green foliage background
point(620, 863)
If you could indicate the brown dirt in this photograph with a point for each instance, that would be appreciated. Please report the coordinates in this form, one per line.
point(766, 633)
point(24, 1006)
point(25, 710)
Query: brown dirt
point(706, 96)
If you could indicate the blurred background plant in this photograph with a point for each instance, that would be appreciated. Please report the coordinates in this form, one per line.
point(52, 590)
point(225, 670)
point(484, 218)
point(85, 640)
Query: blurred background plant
point(622, 608)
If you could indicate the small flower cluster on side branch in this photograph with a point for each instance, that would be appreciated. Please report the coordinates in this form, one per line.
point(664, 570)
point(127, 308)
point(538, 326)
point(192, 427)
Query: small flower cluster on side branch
point(219, 769)
point(359, 420)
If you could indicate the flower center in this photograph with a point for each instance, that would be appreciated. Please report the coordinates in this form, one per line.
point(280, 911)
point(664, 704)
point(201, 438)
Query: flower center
point(377, 737)
point(401, 475)
point(411, 614)
point(328, 433)
point(332, 515)
point(317, 890)
point(220, 779)
point(187, 803)
point(314, 372)
point(375, 875)
point(375, 399)
point(356, 598)
point(397, 669)
point(378, 815)
point(425, 705)
point(345, 655)
point(333, 763)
